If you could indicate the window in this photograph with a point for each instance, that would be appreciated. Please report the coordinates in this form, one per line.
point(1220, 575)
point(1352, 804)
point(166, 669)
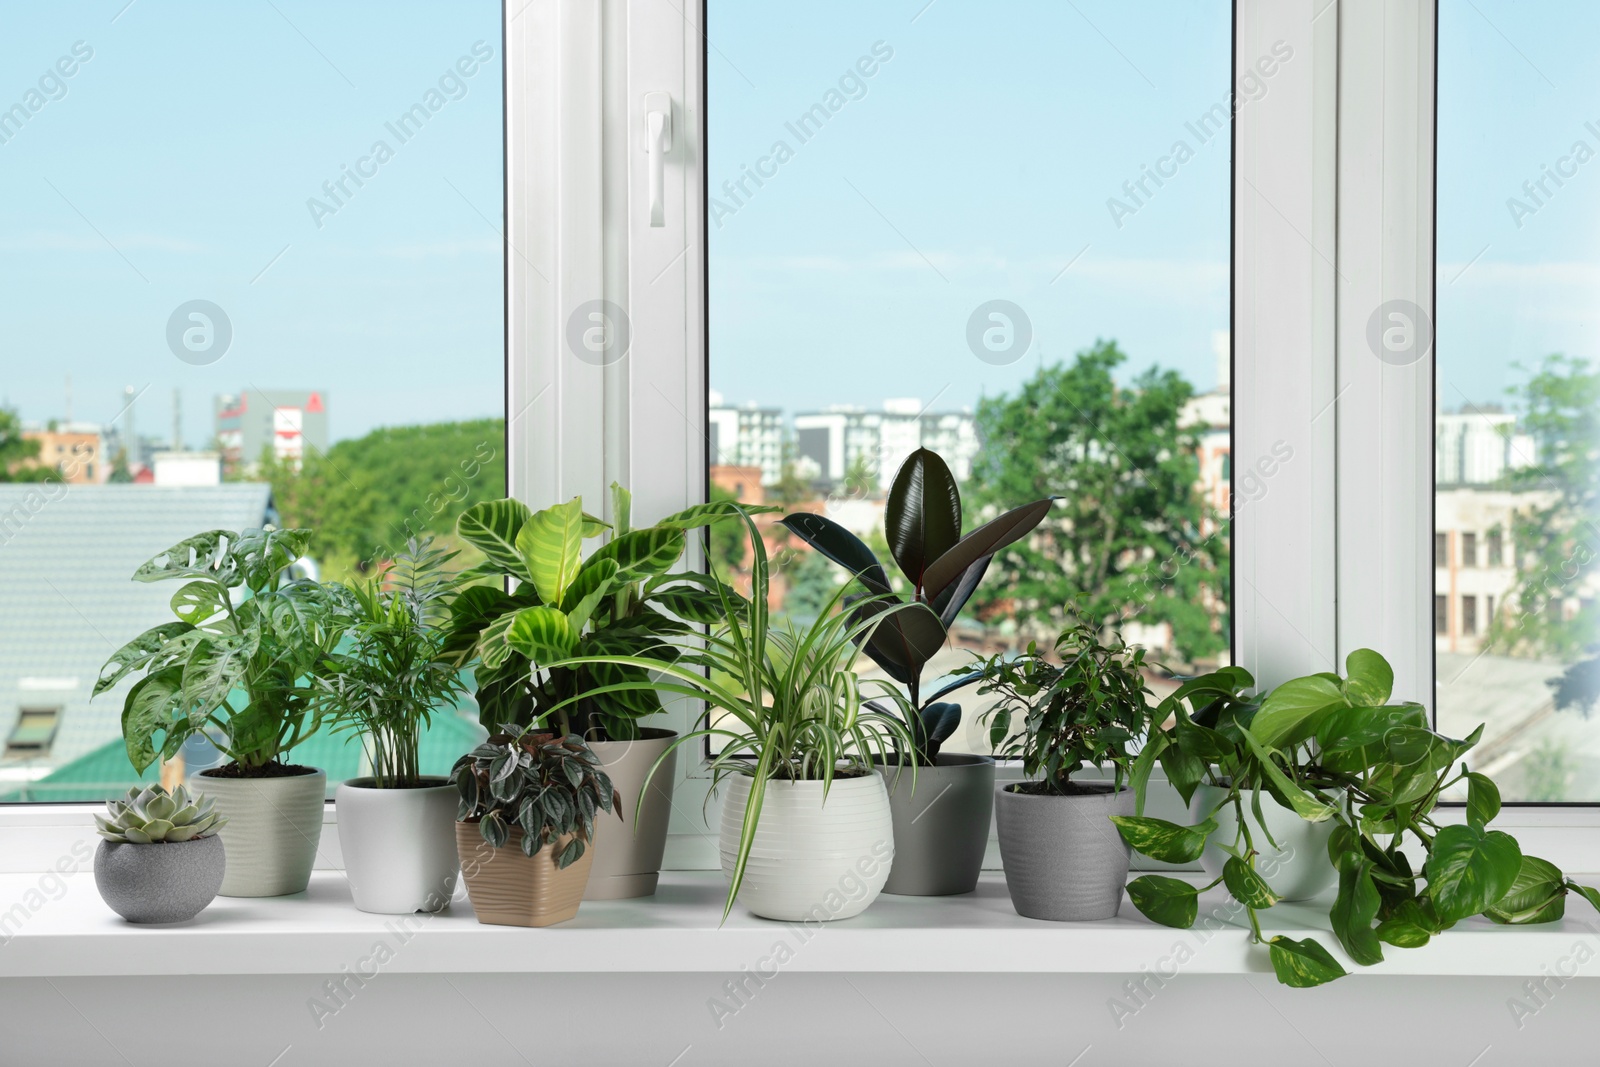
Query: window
point(1441, 550)
point(1469, 616)
point(1518, 248)
point(1469, 550)
point(1441, 614)
point(1043, 319)
point(253, 256)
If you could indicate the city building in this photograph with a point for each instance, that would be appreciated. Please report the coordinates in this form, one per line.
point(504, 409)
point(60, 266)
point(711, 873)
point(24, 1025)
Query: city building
point(1477, 446)
point(290, 422)
point(843, 438)
point(1210, 415)
point(747, 436)
point(74, 450)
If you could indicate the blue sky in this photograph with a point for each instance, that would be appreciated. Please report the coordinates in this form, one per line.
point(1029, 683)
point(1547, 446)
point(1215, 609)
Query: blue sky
point(177, 166)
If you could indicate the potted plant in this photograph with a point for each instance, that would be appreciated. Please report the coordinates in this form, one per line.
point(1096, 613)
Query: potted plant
point(941, 824)
point(238, 666)
point(528, 811)
point(396, 825)
point(161, 860)
point(1062, 856)
point(1334, 750)
point(623, 600)
point(806, 831)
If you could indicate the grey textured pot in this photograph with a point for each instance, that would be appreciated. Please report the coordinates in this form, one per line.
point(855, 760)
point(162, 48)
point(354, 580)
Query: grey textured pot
point(274, 825)
point(1063, 856)
point(941, 824)
point(399, 845)
point(627, 859)
point(167, 882)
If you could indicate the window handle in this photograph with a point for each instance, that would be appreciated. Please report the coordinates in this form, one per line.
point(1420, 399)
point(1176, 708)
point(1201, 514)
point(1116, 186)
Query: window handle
point(658, 142)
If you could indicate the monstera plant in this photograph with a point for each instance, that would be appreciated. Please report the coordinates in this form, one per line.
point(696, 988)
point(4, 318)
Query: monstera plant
point(922, 523)
point(1335, 751)
point(623, 600)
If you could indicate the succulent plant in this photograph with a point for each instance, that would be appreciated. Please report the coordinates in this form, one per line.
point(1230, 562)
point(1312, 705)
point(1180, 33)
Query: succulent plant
point(152, 815)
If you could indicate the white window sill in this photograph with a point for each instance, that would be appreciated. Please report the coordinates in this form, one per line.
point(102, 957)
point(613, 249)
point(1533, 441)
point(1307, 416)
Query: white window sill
point(321, 932)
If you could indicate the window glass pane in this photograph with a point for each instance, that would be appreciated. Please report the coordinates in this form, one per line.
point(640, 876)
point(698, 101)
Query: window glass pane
point(1000, 232)
point(252, 272)
point(1518, 297)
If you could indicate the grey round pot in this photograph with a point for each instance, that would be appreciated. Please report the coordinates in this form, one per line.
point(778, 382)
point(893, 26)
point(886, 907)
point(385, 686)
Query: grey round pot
point(1063, 857)
point(627, 856)
point(274, 826)
point(399, 845)
point(941, 824)
point(166, 882)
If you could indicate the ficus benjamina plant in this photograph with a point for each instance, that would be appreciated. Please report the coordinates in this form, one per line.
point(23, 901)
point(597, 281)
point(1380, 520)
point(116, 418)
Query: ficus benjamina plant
point(1334, 748)
point(922, 523)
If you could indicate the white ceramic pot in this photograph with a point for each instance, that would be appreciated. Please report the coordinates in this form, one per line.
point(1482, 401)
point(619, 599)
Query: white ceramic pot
point(627, 857)
point(811, 860)
point(274, 826)
point(1297, 869)
point(399, 845)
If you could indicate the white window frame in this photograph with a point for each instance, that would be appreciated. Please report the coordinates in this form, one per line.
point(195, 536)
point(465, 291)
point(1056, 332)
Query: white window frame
point(1333, 214)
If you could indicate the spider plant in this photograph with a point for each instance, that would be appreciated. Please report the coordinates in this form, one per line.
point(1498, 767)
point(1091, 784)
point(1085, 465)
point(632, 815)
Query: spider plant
point(782, 699)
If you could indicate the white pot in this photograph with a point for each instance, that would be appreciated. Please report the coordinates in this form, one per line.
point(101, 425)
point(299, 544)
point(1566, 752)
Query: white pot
point(811, 860)
point(1298, 869)
point(399, 845)
point(274, 826)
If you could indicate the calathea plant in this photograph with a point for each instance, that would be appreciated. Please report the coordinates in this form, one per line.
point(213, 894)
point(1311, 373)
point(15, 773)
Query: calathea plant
point(241, 672)
point(922, 523)
point(1333, 748)
point(623, 600)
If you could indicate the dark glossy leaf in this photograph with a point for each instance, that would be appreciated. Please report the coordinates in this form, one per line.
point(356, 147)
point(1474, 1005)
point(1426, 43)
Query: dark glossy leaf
point(950, 602)
point(1483, 801)
point(1303, 964)
point(939, 721)
point(986, 540)
point(1408, 927)
point(841, 546)
point(1469, 869)
point(1200, 742)
point(1184, 771)
point(907, 634)
point(1354, 909)
point(1167, 901)
point(922, 517)
point(1163, 840)
point(1246, 885)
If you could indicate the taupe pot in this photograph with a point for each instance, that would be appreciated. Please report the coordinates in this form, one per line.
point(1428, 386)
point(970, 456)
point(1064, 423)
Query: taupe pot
point(627, 855)
point(1063, 856)
point(509, 889)
point(274, 826)
point(941, 824)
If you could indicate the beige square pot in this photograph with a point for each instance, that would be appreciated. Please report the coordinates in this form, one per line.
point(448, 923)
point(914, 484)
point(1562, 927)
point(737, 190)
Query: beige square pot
point(509, 889)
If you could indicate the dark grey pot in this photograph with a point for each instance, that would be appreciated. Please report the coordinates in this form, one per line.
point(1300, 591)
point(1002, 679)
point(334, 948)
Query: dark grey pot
point(161, 883)
point(941, 827)
point(1063, 856)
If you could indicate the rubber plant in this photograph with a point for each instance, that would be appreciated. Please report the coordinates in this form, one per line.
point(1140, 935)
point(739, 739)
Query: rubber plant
point(922, 524)
point(241, 672)
point(1332, 747)
point(780, 698)
point(625, 599)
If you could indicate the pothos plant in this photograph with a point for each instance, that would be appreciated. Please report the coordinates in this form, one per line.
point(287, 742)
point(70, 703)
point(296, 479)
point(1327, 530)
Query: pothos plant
point(1335, 748)
point(551, 788)
point(623, 600)
point(1084, 708)
point(240, 661)
point(922, 524)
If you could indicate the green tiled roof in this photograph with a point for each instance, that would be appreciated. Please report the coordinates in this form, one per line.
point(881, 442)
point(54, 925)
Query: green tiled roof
point(68, 599)
point(106, 772)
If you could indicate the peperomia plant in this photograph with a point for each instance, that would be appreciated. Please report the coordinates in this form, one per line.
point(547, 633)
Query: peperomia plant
point(1335, 748)
point(240, 671)
point(623, 600)
point(547, 786)
point(922, 523)
point(1085, 710)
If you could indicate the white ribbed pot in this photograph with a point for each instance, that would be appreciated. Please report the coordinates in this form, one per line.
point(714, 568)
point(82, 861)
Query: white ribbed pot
point(274, 826)
point(399, 845)
point(811, 860)
point(627, 855)
point(1298, 869)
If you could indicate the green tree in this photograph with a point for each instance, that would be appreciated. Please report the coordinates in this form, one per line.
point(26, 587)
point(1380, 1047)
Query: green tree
point(1130, 537)
point(861, 480)
point(17, 453)
point(727, 546)
point(1556, 541)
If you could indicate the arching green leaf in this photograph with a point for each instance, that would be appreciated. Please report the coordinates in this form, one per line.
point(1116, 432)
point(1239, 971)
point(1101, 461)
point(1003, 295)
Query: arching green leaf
point(1468, 869)
point(1293, 711)
point(492, 527)
point(551, 546)
point(1303, 964)
point(1167, 901)
point(644, 553)
point(543, 634)
point(1369, 678)
point(170, 642)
